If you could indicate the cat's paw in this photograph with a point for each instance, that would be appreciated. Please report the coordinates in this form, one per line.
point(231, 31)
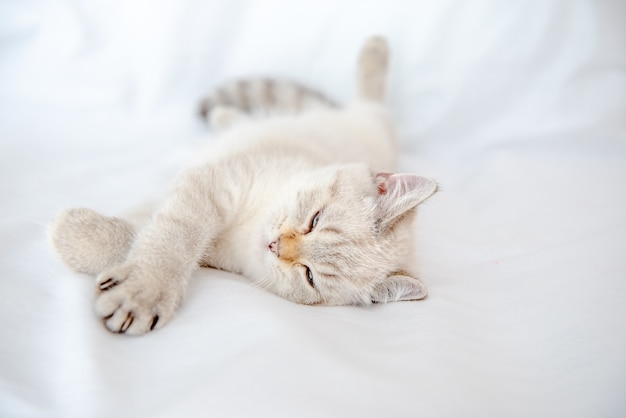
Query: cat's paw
point(224, 117)
point(372, 69)
point(132, 301)
point(89, 242)
point(374, 56)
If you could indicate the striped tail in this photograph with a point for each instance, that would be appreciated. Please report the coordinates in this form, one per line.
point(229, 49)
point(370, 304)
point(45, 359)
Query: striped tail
point(264, 97)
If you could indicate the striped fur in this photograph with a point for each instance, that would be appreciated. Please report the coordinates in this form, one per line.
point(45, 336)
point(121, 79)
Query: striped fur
point(264, 96)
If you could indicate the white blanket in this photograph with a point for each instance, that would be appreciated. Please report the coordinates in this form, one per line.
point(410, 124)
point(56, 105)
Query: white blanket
point(517, 108)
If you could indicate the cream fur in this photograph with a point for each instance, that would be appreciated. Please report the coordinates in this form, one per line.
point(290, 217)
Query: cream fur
point(303, 205)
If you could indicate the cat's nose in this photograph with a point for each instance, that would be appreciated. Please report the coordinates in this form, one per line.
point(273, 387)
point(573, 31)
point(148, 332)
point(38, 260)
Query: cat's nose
point(274, 247)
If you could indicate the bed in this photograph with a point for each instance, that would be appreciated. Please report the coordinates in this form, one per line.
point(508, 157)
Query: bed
point(517, 108)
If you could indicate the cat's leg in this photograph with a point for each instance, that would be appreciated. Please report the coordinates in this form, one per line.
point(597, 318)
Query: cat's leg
point(372, 69)
point(89, 242)
point(225, 117)
point(142, 293)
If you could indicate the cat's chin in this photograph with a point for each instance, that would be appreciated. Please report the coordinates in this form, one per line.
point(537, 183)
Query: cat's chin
point(260, 260)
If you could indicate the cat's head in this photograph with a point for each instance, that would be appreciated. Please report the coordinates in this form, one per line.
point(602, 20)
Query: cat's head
point(345, 238)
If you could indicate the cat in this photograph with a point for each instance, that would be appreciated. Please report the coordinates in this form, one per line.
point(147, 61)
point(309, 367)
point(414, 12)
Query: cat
point(296, 194)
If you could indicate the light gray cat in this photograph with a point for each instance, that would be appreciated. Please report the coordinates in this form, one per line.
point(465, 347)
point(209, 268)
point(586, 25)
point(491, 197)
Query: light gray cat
point(302, 203)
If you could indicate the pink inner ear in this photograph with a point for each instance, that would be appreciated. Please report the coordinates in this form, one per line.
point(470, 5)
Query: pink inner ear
point(381, 181)
point(394, 186)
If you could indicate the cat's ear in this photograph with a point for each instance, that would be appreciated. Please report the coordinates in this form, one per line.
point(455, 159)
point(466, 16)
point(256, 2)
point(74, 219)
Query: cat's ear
point(399, 193)
point(398, 287)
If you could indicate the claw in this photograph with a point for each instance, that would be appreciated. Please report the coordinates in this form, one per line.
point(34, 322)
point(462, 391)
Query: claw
point(127, 323)
point(154, 322)
point(108, 284)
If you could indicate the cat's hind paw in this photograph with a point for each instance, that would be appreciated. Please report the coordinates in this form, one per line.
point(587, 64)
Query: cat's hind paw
point(372, 68)
point(224, 117)
point(132, 302)
point(374, 56)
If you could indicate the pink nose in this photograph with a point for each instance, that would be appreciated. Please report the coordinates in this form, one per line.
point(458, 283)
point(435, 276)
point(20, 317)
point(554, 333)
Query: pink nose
point(274, 247)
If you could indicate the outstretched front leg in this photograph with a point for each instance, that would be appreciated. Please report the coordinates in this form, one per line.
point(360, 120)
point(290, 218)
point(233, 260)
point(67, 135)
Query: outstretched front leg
point(142, 293)
point(143, 273)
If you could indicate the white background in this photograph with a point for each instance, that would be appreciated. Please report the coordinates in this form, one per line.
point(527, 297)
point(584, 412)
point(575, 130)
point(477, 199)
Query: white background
point(517, 108)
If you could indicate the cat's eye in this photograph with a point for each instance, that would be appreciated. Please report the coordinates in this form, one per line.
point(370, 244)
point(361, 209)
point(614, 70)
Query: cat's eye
point(309, 277)
point(314, 221)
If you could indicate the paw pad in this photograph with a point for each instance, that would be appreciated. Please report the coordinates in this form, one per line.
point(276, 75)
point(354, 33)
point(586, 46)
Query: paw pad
point(132, 300)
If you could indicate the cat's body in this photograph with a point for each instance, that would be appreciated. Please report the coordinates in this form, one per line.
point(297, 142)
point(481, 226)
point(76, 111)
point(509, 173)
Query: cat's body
point(273, 159)
point(301, 204)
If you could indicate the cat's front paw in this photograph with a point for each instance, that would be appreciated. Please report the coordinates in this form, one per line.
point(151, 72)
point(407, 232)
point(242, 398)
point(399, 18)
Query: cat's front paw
point(89, 242)
point(133, 301)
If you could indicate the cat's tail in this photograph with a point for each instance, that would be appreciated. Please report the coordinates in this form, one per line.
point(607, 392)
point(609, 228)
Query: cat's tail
point(263, 97)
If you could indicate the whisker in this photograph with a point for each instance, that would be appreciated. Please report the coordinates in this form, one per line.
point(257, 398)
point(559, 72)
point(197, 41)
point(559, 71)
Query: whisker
point(264, 283)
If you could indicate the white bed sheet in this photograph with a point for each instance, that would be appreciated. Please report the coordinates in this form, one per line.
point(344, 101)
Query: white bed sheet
point(518, 108)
